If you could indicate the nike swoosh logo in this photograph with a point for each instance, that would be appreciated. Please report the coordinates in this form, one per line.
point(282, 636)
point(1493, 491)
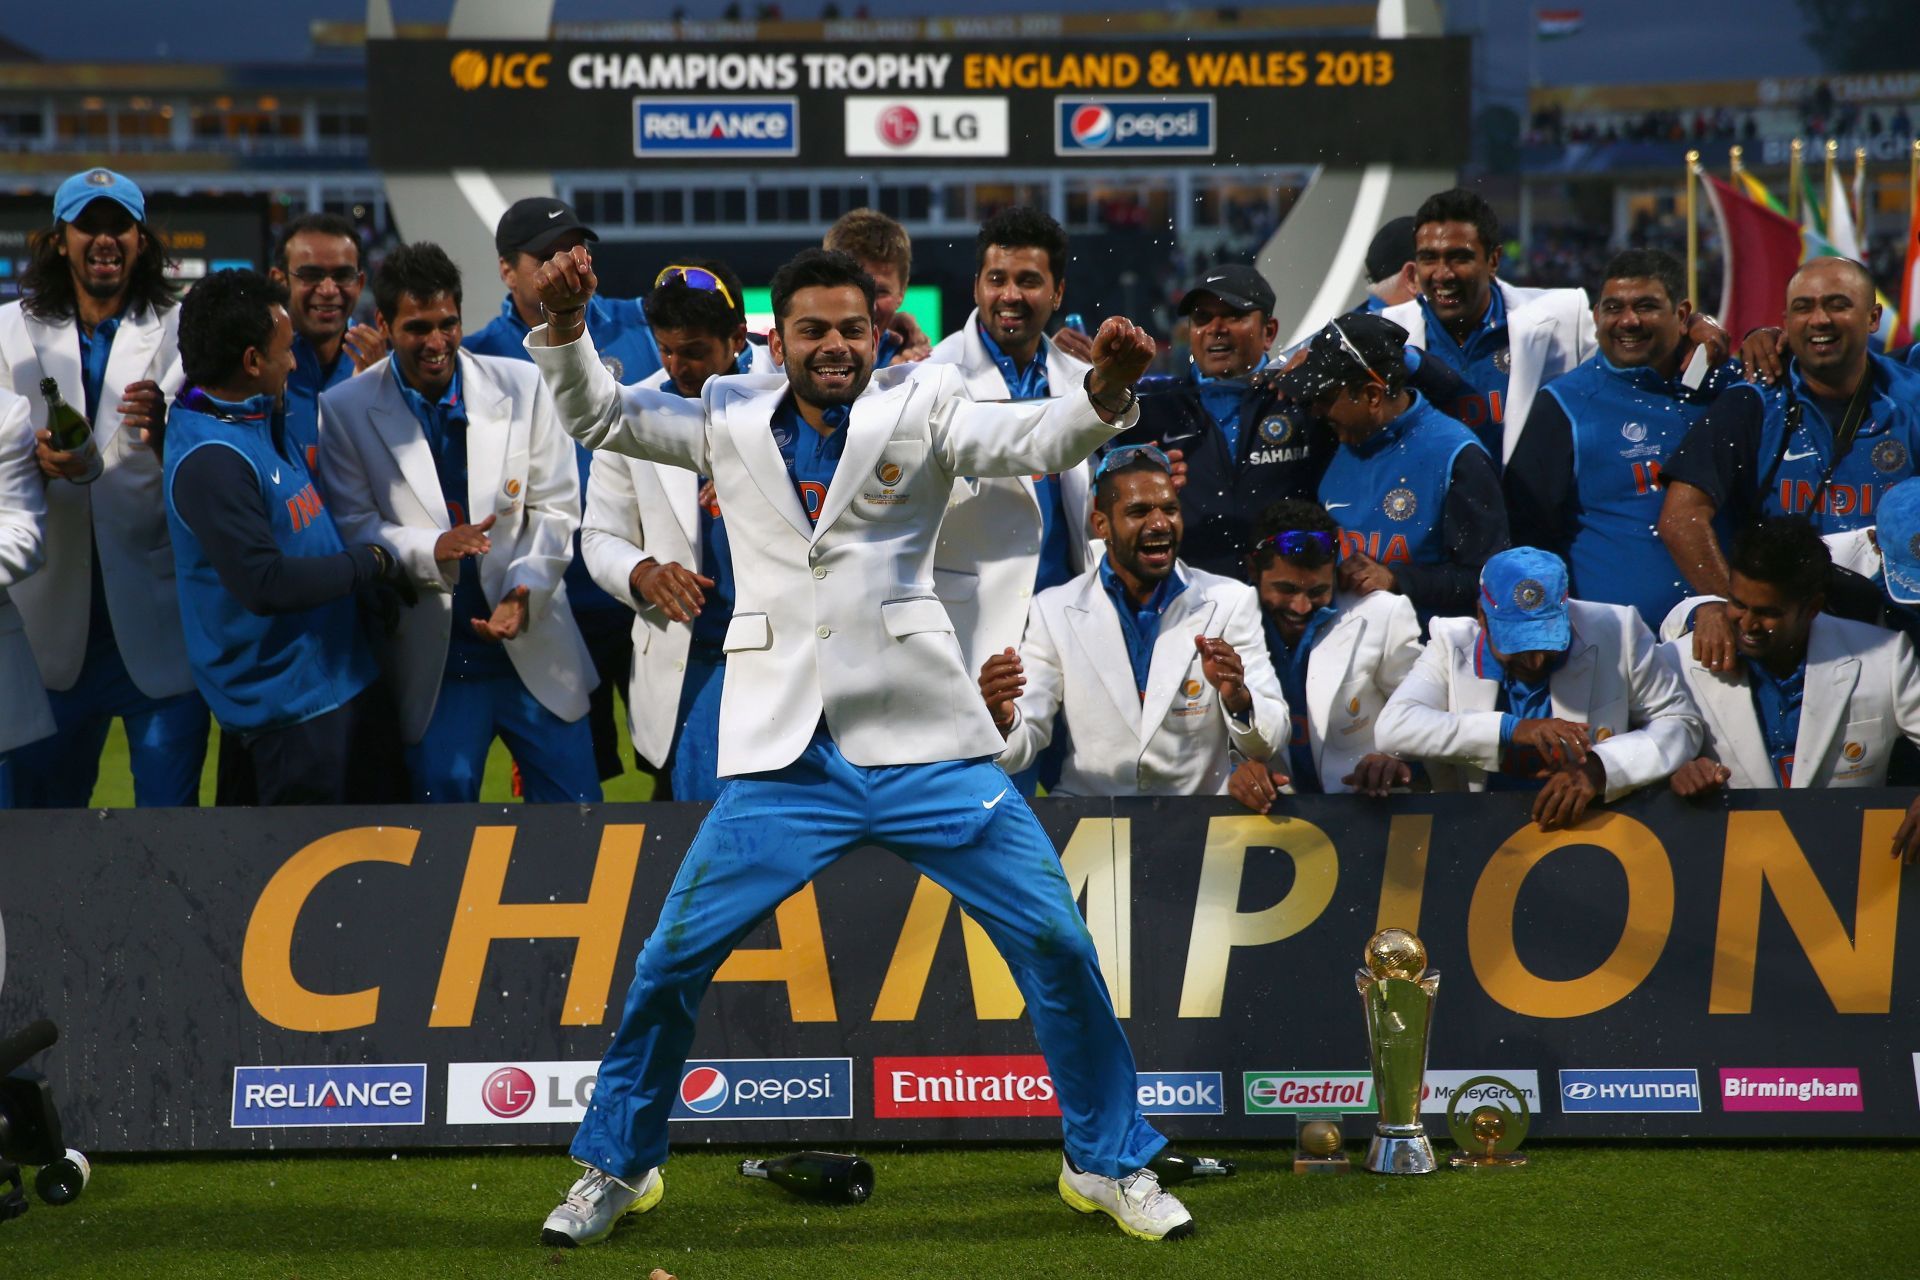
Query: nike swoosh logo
point(1335, 506)
point(276, 475)
point(556, 213)
point(988, 804)
point(1795, 457)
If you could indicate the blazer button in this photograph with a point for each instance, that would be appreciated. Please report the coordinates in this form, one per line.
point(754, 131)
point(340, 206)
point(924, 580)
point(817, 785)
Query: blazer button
point(679, 666)
point(819, 572)
point(822, 632)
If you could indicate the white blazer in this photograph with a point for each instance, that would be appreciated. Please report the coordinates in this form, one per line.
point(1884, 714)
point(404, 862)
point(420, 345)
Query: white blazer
point(1862, 691)
point(383, 487)
point(123, 509)
point(839, 618)
point(1643, 723)
point(1351, 673)
point(1174, 739)
point(23, 520)
point(1549, 331)
point(1854, 550)
point(989, 545)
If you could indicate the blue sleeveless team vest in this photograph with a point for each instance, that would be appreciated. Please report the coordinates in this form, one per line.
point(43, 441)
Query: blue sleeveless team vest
point(1388, 494)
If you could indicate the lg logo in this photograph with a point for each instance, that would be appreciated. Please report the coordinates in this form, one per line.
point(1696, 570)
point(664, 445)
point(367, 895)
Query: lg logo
point(899, 126)
point(508, 1092)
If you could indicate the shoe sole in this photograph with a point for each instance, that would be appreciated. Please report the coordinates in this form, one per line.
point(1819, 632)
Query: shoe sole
point(646, 1201)
point(1080, 1204)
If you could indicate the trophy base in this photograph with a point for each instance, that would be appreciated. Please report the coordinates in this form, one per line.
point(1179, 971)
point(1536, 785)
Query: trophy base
point(1321, 1164)
point(1401, 1154)
point(1483, 1160)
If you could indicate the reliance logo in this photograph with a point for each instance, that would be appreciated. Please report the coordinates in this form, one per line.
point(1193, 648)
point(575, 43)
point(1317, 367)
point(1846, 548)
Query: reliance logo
point(716, 126)
point(310, 1097)
point(1790, 1089)
point(979, 1085)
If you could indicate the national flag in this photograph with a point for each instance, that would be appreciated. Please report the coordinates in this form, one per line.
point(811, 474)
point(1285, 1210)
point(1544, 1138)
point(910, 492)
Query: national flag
point(1831, 234)
point(1841, 232)
point(1556, 24)
point(1762, 249)
point(1757, 192)
point(1904, 335)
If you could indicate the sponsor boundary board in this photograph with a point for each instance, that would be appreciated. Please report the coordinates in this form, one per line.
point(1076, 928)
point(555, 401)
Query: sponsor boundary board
point(1042, 103)
point(450, 976)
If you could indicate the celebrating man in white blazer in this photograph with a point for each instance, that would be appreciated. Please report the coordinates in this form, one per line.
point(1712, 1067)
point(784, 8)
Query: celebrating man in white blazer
point(456, 465)
point(1007, 538)
point(1541, 693)
point(1159, 668)
point(848, 717)
point(97, 321)
point(654, 538)
point(23, 521)
point(1815, 701)
point(1338, 658)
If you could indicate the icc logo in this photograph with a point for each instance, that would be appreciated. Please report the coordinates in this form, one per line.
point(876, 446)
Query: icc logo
point(899, 126)
point(1092, 125)
point(472, 70)
point(507, 1093)
point(703, 1090)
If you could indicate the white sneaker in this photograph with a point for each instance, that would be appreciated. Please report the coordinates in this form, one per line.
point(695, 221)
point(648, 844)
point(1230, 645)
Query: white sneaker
point(595, 1203)
point(1142, 1207)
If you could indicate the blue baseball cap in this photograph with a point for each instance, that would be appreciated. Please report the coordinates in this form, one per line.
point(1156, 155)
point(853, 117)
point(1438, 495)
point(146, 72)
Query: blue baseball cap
point(1523, 592)
point(82, 189)
point(1897, 530)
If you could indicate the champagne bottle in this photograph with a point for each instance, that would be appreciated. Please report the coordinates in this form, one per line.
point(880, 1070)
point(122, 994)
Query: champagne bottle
point(818, 1175)
point(1174, 1167)
point(70, 430)
point(62, 1181)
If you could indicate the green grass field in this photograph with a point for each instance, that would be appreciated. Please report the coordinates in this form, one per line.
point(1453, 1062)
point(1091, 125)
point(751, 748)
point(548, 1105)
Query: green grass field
point(1622, 1210)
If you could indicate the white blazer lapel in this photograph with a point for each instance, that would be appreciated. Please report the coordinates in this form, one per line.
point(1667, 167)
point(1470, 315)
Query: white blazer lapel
point(57, 349)
point(680, 494)
point(1471, 691)
point(749, 425)
point(1529, 334)
point(984, 379)
point(489, 441)
point(400, 431)
point(1831, 675)
point(1096, 627)
point(1571, 687)
point(1327, 669)
point(868, 429)
point(1726, 702)
point(134, 343)
point(1175, 660)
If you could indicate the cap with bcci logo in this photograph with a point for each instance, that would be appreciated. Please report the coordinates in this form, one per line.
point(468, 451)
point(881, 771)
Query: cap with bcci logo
point(82, 189)
point(1523, 592)
point(1897, 530)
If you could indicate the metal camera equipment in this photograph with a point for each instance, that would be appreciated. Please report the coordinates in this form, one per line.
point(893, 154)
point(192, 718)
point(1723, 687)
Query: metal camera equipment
point(30, 1128)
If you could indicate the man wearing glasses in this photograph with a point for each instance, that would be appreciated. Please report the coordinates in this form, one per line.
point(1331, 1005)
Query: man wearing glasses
point(1159, 668)
point(1415, 493)
point(529, 232)
point(318, 260)
point(1338, 659)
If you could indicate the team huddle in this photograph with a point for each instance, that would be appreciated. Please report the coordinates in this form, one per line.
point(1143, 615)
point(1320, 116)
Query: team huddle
point(863, 590)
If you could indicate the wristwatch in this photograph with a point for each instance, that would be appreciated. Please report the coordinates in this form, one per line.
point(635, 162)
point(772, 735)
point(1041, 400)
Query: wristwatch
point(1086, 384)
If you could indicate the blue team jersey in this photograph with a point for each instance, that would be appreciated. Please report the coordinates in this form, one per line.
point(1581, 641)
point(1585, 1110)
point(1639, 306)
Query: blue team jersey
point(1482, 364)
point(1389, 494)
point(261, 671)
point(304, 385)
point(1624, 422)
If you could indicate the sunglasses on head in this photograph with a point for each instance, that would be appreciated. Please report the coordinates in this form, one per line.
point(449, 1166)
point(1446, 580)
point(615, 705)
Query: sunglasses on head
point(696, 278)
point(1128, 454)
point(1346, 344)
point(1300, 542)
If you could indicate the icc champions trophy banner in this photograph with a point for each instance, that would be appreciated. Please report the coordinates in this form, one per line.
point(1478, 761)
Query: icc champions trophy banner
point(449, 976)
point(1044, 103)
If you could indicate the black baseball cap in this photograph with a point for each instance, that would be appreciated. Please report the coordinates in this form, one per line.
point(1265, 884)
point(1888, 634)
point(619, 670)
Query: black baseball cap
point(534, 224)
point(1236, 284)
point(1346, 351)
point(1390, 250)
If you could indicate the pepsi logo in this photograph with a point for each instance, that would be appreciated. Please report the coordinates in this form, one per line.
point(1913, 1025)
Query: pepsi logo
point(508, 1092)
point(899, 125)
point(1092, 125)
point(703, 1090)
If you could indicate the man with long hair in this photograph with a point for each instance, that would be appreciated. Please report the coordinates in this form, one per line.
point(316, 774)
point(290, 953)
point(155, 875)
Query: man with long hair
point(96, 322)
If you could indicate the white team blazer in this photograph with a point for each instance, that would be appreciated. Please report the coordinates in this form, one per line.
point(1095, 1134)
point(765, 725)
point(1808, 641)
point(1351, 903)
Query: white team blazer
point(639, 511)
point(23, 519)
point(1549, 331)
point(1862, 691)
point(382, 487)
point(989, 545)
point(836, 619)
point(1636, 707)
point(1854, 550)
point(1351, 673)
point(1174, 739)
point(123, 509)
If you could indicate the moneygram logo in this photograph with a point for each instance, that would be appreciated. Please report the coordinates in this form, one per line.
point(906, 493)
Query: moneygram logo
point(519, 1092)
point(878, 126)
point(309, 1097)
point(1790, 1089)
point(981, 1085)
point(716, 126)
point(1181, 1093)
point(1298, 1092)
point(472, 70)
point(508, 1092)
point(1589, 1091)
point(1123, 125)
point(1436, 1092)
point(766, 1089)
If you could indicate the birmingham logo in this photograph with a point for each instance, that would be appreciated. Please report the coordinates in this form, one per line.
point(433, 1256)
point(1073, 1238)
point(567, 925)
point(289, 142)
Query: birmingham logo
point(1889, 455)
point(1529, 594)
point(1400, 504)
